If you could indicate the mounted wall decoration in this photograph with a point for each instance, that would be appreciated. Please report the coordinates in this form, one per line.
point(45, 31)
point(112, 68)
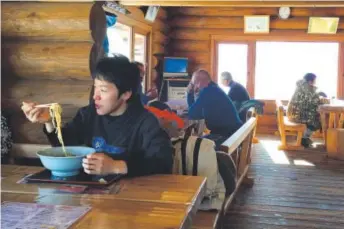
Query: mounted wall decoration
point(151, 13)
point(257, 24)
point(113, 7)
point(323, 25)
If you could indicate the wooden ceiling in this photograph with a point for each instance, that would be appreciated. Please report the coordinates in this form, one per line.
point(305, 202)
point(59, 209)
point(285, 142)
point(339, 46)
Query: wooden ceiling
point(236, 3)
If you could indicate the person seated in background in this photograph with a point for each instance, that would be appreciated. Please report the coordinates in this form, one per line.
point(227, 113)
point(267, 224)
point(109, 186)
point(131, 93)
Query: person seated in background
point(168, 119)
point(237, 93)
point(116, 118)
point(213, 105)
point(240, 96)
point(303, 106)
point(6, 140)
point(152, 93)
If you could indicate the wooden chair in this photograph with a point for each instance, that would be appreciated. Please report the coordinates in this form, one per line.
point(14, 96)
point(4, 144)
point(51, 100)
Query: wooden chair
point(238, 147)
point(286, 127)
point(336, 120)
point(252, 113)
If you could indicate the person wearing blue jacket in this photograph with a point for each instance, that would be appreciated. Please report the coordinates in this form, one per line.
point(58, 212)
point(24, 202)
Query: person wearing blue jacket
point(207, 101)
point(237, 93)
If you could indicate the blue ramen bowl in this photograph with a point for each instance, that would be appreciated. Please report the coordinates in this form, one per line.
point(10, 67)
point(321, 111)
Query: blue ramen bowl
point(55, 160)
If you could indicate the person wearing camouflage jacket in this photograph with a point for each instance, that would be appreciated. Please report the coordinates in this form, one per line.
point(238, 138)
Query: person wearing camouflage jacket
point(303, 106)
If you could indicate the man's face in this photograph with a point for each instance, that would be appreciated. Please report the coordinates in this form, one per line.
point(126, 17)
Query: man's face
point(199, 81)
point(225, 82)
point(312, 83)
point(106, 97)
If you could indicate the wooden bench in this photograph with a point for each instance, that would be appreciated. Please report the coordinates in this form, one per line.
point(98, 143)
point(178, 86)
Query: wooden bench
point(252, 113)
point(286, 127)
point(238, 146)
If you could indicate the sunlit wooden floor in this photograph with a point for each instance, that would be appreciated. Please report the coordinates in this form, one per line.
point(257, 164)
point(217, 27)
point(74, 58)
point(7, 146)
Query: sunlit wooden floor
point(300, 189)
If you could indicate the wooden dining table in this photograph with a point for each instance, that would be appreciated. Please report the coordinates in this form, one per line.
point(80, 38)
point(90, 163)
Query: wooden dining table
point(157, 201)
point(330, 115)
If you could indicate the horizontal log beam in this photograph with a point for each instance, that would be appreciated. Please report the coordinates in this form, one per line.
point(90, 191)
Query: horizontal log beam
point(194, 57)
point(71, 94)
point(160, 38)
point(235, 3)
point(234, 11)
point(158, 48)
point(189, 46)
point(238, 22)
point(205, 34)
point(24, 131)
point(161, 25)
point(47, 60)
point(52, 21)
point(66, 92)
point(195, 66)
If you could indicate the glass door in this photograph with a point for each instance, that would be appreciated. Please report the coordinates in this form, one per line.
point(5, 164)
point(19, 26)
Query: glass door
point(232, 57)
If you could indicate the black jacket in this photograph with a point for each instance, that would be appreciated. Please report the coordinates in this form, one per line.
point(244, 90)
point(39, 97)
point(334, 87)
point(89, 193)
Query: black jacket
point(238, 93)
point(148, 149)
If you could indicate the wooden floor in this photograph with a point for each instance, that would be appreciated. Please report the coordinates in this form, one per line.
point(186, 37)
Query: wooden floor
point(287, 194)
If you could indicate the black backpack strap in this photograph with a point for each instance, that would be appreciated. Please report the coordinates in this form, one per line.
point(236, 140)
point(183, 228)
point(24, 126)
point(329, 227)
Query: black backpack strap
point(183, 151)
point(227, 170)
point(195, 156)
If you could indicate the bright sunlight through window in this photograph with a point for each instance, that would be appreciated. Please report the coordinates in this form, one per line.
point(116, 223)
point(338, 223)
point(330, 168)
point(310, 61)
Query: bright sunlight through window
point(232, 58)
point(280, 156)
point(277, 156)
point(119, 39)
point(280, 64)
point(303, 162)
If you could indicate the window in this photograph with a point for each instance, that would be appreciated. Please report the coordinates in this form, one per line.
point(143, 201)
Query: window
point(279, 65)
point(124, 40)
point(140, 48)
point(232, 58)
point(130, 42)
point(119, 37)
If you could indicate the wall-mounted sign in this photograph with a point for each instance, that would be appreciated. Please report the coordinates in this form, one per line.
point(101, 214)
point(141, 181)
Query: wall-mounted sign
point(113, 7)
point(323, 25)
point(257, 24)
point(151, 13)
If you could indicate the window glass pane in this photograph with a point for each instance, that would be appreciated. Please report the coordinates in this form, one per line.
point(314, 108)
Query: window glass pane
point(279, 65)
point(119, 39)
point(232, 58)
point(140, 48)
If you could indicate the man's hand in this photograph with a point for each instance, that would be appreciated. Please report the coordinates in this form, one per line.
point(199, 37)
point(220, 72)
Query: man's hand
point(152, 93)
point(101, 164)
point(35, 114)
point(190, 88)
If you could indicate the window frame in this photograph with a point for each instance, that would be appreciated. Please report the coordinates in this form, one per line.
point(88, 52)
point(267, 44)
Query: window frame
point(145, 30)
point(235, 37)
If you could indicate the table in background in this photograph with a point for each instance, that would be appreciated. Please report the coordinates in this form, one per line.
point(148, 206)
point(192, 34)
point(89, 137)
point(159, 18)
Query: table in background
point(330, 113)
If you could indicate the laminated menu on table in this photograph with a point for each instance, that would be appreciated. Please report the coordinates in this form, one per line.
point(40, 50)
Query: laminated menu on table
point(15, 215)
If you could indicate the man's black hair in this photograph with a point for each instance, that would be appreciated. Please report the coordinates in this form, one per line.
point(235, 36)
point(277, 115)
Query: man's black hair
point(309, 77)
point(119, 71)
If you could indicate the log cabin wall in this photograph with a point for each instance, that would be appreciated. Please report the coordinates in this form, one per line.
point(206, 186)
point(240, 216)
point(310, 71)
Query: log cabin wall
point(48, 51)
point(192, 29)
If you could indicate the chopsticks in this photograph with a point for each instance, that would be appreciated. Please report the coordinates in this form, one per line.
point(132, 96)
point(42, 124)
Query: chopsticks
point(44, 105)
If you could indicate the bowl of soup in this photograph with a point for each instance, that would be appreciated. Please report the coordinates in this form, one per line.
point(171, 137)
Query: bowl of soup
point(61, 164)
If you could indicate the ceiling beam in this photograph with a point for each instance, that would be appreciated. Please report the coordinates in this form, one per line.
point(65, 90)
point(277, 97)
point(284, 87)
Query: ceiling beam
point(235, 3)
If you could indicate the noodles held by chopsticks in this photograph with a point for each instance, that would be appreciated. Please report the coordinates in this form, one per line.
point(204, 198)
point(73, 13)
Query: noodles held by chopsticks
point(55, 112)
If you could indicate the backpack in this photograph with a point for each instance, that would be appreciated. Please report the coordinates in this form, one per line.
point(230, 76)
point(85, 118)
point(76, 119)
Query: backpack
point(197, 157)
